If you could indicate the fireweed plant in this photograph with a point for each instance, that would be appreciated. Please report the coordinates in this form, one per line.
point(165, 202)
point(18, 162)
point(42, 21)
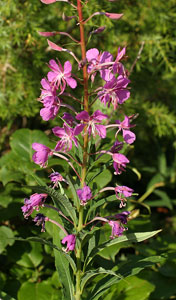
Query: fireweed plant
point(79, 221)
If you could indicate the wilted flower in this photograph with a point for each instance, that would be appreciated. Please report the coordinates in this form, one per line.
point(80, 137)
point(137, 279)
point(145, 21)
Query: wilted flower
point(120, 162)
point(70, 240)
point(68, 118)
point(84, 194)
point(117, 228)
point(40, 220)
point(41, 155)
point(34, 202)
point(124, 192)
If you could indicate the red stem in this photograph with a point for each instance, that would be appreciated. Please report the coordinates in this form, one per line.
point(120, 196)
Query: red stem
point(85, 79)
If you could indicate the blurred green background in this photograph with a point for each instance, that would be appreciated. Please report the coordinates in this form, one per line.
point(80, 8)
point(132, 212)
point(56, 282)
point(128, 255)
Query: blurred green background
point(149, 27)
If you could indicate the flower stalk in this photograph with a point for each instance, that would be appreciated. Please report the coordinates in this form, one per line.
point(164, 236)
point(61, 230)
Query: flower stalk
point(74, 204)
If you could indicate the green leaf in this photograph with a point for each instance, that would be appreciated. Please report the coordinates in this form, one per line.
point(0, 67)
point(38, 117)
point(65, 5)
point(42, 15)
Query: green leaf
point(36, 291)
point(4, 296)
point(164, 201)
point(101, 178)
point(133, 289)
point(131, 237)
point(62, 203)
point(73, 190)
point(126, 270)
point(162, 163)
point(93, 273)
point(8, 175)
point(53, 246)
point(33, 258)
point(103, 159)
point(5, 200)
point(100, 203)
point(6, 237)
point(63, 269)
point(155, 179)
point(22, 139)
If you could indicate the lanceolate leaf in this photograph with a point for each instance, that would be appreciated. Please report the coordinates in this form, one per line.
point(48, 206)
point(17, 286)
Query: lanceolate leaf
point(93, 273)
point(62, 203)
point(59, 200)
point(100, 203)
point(131, 237)
point(125, 271)
point(73, 190)
point(53, 246)
point(63, 269)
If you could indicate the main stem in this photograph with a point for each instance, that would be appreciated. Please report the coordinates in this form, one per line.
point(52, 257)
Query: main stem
point(84, 165)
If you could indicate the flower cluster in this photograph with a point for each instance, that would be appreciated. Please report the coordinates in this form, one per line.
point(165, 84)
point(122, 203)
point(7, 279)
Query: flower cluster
point(82, 129)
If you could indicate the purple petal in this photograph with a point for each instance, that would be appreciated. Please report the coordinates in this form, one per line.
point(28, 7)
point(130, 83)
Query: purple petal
point(54, 46)
point(101, 129)
point(40, 147)
point(48, 1)
point(51, 76)
point(40, 158)
point(45, 84)
point(113, 15)
point(129, 136)
point(120, 158)
point(58, 131)
point(98, 116)
point(79, 128)
point(48, 113)
point(67, 68)
point(92, 54)
point(54, 65)
point(83, 115)
point(106, 75)
point(122, 82)
point(106, 57)
point(71, 82)
point(122, 95)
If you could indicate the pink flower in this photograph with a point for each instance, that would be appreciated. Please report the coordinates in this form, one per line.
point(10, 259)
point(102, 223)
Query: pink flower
point(91, 123)
point(48, 93)
point(50, 101)
point(115, 91)
point(68, 118)
point(84, 194)
point(117, 230)
point(124, 192)
point(55, 178)
point(117, 227)
point(59, 76)
point(118, 66)
point(34, 202)
point(120, 162)
point(116, 147)
point(95, 59)
point(40, 220)
point(128, 136)
point(41, 155)
point(67, 137)
point(70, 240)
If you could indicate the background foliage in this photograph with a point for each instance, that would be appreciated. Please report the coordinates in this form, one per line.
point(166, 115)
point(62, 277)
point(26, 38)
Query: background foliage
point(28, 268)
